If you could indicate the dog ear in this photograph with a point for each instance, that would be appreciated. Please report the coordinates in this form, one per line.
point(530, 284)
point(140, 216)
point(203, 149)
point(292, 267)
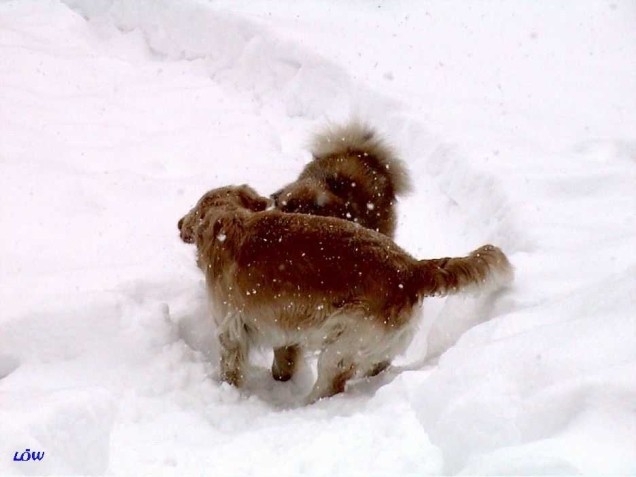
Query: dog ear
point(250, 199)
point(223, 228)
point(206, 226)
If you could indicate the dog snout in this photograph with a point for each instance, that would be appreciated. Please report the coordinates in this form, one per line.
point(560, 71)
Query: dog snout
point(186, 232)
point(186, 236)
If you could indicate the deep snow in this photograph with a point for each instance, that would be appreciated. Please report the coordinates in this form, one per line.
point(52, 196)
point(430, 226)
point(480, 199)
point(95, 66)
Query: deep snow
point(517, 121)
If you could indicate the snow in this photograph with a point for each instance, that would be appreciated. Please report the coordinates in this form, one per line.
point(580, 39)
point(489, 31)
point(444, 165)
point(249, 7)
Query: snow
point(517, 122)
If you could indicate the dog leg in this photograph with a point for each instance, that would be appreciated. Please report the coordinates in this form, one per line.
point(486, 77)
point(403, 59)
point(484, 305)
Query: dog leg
point(285, 361)
point(234, 352)
point(336, 365)
point(333, 374)
point(357, 346)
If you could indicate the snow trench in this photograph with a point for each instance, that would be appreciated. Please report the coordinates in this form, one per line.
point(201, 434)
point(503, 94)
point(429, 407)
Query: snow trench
point(120, 114)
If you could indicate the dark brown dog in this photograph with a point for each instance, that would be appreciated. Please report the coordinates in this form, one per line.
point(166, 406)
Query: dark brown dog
point(354, 176)
point(324, 284)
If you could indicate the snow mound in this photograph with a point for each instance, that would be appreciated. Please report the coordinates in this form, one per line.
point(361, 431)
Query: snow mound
point(514, 123)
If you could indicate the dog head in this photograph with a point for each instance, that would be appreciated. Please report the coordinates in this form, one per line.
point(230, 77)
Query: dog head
point(309, 196)
point(224, 199)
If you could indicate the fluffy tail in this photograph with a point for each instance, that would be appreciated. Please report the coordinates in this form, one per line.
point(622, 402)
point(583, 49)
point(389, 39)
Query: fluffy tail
point(359, 138)
point(484, 268)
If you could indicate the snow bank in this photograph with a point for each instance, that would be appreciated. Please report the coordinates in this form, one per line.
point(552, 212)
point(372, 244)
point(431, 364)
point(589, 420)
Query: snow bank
point(118, 114)
point(235, 52)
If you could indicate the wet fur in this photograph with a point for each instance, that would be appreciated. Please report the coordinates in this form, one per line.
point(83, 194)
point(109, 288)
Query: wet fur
point(354, 175)
point(316, 283)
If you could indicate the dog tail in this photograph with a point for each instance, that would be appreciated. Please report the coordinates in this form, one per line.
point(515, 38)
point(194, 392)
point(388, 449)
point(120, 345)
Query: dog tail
point(486, 268)
point(359, 138)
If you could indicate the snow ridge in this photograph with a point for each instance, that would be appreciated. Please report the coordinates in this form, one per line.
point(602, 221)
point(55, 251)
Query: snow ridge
point(118, 114)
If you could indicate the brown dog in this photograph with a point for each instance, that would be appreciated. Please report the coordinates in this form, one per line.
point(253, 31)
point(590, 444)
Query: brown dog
point(279, 279)
point(354, 176)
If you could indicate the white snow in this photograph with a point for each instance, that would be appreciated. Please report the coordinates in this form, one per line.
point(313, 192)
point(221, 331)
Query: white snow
point(518, 124)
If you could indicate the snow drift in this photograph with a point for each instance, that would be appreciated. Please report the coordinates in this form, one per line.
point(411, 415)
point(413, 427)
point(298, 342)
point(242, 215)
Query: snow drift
point(517, 124)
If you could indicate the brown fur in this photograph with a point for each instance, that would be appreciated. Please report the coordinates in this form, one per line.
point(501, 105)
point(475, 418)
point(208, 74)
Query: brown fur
point(354, 176)
point(321, 283)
